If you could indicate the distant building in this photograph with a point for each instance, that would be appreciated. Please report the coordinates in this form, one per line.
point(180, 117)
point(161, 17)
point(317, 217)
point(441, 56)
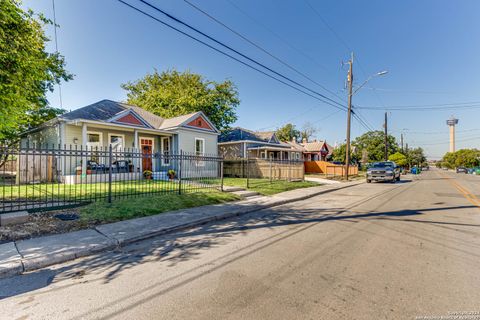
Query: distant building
point(240, 143)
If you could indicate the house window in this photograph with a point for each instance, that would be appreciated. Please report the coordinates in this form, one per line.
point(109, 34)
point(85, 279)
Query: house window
point(199, 146)
point(94, 144)
point(199, 150)
point(263, 154)
point(117, 141)
point(166, 151)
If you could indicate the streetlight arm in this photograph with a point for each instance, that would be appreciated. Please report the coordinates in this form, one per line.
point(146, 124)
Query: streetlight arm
point(370, 78)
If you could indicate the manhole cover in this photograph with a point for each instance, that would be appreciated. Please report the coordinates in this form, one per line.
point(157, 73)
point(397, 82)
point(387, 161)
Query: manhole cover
point(67, 216)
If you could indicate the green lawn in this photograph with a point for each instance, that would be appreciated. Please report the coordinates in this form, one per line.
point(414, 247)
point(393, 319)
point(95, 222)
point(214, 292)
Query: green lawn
point(68, 192)
point(263, 186)
point(129, 208)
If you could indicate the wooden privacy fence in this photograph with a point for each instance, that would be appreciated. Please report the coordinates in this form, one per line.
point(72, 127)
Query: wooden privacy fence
point(329, 169)
point(9, 166)
point(37, 166)
point(264, 169)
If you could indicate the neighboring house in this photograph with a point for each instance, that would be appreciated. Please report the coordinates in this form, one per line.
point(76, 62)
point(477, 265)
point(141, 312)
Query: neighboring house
point(316, 150)
point(240, 143)
point(127, 128)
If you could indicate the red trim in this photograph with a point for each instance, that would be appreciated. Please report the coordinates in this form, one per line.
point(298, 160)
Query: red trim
point(130, 119)
point(200, 122)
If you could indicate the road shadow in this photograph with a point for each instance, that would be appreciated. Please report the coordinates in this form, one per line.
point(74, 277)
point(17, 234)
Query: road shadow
point(189, 244)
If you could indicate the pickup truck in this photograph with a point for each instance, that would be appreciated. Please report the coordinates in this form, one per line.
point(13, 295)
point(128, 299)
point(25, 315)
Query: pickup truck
point(383, 171)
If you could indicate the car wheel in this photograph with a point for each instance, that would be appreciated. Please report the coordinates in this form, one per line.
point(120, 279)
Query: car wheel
point(398, 178)
point(368, 181)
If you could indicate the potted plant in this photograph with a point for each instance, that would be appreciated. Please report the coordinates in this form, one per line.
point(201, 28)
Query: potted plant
point(171, 174)
point(147, 174)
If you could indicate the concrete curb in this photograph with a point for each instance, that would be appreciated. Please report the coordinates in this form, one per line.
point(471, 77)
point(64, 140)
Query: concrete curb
point(31, 254)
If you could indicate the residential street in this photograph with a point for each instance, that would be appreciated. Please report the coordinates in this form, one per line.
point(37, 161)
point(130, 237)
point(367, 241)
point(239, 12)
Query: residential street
point(371, 251)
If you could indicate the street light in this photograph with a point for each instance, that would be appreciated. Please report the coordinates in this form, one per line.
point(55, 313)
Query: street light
point(381, 73)
point(349, 113)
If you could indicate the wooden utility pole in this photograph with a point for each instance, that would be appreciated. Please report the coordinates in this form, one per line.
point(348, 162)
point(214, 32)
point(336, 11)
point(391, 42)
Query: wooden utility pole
point(349, 116)
point(401, 141)
point(386, 138)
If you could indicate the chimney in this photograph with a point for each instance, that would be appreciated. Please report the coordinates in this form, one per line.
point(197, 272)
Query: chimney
point(294, 139)
point(304, 140)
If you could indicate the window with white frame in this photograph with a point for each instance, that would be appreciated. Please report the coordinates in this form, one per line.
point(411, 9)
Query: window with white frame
point(199, 146)
point(165, 150)
point(199, 150)
point(117, 141)
point(94, 144)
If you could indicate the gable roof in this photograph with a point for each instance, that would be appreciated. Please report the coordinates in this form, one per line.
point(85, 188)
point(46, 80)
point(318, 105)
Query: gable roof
point(110, 111)
point(185, 120)
point(316, 146)
point(241, 134)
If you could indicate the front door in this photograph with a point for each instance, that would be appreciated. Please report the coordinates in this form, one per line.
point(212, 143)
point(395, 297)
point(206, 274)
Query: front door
point(147, 150)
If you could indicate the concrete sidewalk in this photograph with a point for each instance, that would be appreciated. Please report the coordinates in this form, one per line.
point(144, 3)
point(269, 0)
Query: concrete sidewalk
point(27, 255)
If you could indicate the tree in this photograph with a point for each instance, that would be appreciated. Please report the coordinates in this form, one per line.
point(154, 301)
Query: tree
point(462, 158)
point(416, 156)
point(373, 144)
point(27, 71)
point(308, 130)
point(339, 154)
point(173, 93)
point(287, 133)
point(399, 158)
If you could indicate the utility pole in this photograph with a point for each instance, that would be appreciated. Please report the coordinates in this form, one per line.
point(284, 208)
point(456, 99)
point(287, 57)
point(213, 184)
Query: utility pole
point(386, 138)
point(349, 116)
point(401, 141)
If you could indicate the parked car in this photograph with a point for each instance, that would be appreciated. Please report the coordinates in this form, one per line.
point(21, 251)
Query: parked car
point(461, 170)
point(383, 171)
point(476, 171)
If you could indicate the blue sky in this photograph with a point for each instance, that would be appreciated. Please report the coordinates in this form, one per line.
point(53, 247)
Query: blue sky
point(429, 47)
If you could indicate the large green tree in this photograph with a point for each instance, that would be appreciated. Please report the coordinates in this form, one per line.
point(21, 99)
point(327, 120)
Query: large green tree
point(399, 158)
point(416, 156)
point(287, 133)
point(463, 157)
point(27, 71)
point(372, 144)
point(173, 93)
point(339, 154)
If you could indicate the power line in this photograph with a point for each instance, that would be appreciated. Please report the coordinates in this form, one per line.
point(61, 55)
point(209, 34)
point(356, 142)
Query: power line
point(236, 51)
point(261, 48)
point(341, 40)
point(227, 54)
point(419, 108)
point(287, 43)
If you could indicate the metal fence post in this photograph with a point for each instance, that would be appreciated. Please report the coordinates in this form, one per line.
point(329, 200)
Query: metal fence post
point(248, 173)
point(180, 173)
point(271, 177)
point(110, 156)
point(221, 174)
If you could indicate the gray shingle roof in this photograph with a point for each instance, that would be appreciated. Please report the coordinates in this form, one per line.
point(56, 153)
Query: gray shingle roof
point(239, 134)
point(106, 109)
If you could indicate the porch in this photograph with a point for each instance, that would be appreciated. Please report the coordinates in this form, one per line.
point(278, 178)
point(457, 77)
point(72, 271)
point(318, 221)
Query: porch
point(132, 149)
point(275, 153)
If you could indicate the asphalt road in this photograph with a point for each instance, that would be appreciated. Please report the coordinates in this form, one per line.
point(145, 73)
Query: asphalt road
point(373, 251)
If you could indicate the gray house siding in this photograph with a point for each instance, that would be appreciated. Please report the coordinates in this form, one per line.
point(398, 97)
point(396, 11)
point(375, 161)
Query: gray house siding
point(186, 141)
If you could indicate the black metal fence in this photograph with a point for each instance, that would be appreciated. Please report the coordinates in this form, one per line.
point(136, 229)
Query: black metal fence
point(50, 177)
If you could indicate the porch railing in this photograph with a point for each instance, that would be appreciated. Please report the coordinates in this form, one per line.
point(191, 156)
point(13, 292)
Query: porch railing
point(51, 177)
